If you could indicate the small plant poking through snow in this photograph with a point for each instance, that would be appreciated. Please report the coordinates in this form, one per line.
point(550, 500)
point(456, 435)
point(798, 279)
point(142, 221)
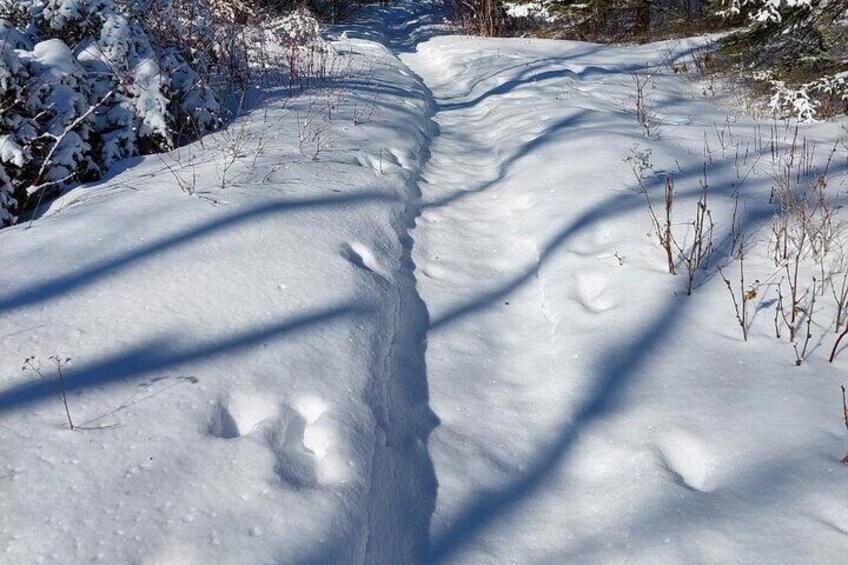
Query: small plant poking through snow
point(806, 244)
point(34, 364)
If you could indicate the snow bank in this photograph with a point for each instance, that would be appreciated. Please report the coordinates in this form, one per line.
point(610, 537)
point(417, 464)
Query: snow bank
point(590, 411)
point(234, 353)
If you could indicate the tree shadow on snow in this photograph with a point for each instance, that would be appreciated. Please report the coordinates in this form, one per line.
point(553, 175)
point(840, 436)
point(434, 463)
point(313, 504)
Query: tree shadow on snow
point(614, 373)
point(63, 285)
point(159, 355)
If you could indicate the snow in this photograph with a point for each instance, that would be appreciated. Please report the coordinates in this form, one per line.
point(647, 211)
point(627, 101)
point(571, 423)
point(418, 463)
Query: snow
point(587, 413)
point(534, 10)
point(431, 327)
point(11, 151)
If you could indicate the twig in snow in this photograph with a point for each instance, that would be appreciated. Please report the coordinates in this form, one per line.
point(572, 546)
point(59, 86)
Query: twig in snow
point(34, 365)
point(836, 345)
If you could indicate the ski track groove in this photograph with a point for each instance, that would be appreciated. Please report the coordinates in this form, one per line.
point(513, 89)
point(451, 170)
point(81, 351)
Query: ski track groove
point(402, 487)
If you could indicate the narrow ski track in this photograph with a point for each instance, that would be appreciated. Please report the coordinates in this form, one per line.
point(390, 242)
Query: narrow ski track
point(402, 495)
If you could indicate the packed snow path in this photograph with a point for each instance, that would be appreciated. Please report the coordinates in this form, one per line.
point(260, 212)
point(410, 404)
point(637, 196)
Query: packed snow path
point(437, 334)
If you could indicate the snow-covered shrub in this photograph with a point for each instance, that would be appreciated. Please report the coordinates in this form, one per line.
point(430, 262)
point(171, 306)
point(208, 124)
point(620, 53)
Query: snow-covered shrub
point(299, 27)
point(208, 34)
point(537, 11)
point(125, 76)
point(14, 125)
point(795, 102)
point(45, 97)
point(84, 83)
point(808, 101)
point(295, 32)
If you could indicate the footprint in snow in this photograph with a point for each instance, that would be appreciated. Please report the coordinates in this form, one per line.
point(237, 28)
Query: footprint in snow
point(593, 242)
point(304, 440)
point(240, 414)
point(429, 217)
point(362, 257)
point(687, 460)
point(294, 463)
point(592, 292)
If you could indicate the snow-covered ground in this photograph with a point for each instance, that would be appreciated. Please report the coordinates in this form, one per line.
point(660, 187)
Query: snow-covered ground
point(423, 319)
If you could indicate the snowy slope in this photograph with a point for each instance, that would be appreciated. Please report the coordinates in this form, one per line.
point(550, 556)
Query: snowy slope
point(590, 411)
point(237, 347)
point(419, 320)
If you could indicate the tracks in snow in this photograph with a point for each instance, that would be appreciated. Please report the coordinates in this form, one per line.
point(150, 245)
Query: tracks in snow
point(403, 482)
point(472, 289)
point(402, 494)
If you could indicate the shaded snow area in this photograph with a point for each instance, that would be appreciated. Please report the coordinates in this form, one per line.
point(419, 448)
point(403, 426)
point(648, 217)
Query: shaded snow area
point(418, 314)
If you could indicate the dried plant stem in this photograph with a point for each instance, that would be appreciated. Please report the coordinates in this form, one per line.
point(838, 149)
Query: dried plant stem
point(63, 391)
point(740, 304)
point(33, 364)
point(836, 345)
point(844, 408)
point(800, 356)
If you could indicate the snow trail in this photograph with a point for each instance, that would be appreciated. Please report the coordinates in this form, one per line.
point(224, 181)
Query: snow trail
point(403, 485)
point(468, 239)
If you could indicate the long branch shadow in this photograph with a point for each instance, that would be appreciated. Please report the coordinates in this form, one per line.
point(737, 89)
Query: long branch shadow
point(548, 136)
point(63, 285)
point(615, 372)
point(532, 73)
point(613, 375)
point(522, 80)
point(157, 355)
point(528, 67)
point(611, 207)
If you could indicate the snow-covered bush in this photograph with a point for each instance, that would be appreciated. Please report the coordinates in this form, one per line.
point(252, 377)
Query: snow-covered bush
point(809, 101)
point(84, 83)
point(45, 97)
point(296, 31)
point(537, 11)
point(299, 27)
point(14, 124)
